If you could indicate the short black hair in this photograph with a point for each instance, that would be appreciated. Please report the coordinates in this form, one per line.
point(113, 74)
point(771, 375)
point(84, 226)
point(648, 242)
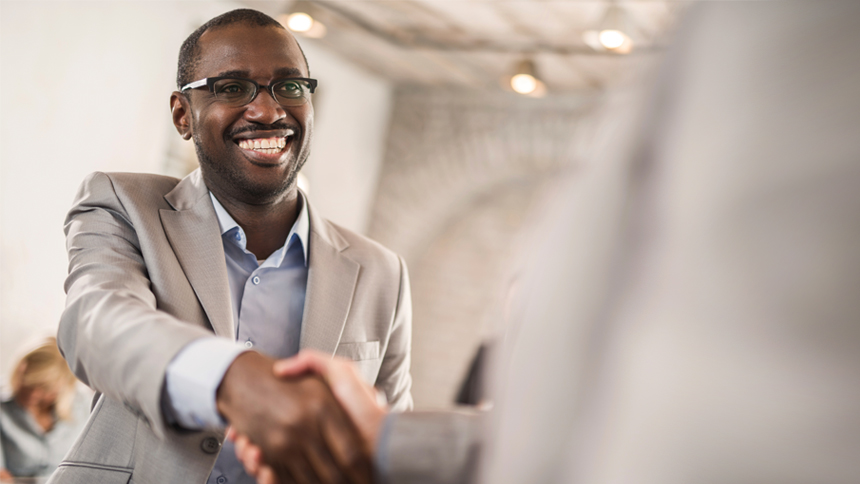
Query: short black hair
point(189, 53)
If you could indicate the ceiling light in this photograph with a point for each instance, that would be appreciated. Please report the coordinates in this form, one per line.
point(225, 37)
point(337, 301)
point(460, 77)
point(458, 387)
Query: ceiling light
point(612, 34)
point(525, 79)
point(611, 39)
point(300, 22)
point(303, 24)
point(524, 83)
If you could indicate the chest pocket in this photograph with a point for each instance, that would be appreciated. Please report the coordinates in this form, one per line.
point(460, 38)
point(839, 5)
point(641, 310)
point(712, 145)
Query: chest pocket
point(366, 357)
point(365, 350)
point(82, 472)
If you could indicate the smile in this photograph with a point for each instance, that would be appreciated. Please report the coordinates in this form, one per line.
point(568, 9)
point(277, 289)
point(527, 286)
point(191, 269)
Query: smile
point(269, 146)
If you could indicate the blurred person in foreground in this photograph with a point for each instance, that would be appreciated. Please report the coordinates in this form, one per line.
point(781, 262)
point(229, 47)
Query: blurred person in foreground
point(181, 293)
point(43, 416)
point(694, 316)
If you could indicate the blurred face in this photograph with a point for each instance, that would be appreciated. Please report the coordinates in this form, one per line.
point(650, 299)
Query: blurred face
point(40, 396)
point(249, 153)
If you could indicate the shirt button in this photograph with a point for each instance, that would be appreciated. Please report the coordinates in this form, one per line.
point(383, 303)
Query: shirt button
point(249, 344)
point(256, 280)
point(210, 445)
point(221, 480)
point(238, 236)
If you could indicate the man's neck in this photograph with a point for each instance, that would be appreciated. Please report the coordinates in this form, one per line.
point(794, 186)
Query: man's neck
point(266, 225)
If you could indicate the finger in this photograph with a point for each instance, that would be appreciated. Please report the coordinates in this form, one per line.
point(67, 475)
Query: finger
point(301, 471)
point(239, 447)
point(324, 464)
point(291, 367)
point(358, 399)
point(239, 444)
point(252, 459)
point(231, 433)
point(248, 454)
point(340, 374)
point(347, 384)
point(305, 361)
point(349, 450)
point(267, 476)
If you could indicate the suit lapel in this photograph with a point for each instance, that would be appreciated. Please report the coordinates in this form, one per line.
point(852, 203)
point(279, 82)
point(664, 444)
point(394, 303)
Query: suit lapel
point(195, 236)
point(331, 284)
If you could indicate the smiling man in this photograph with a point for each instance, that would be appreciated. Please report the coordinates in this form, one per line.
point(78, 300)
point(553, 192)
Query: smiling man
point(157, 265)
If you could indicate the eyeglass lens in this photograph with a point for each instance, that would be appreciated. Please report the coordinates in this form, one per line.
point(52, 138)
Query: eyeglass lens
point(238, 92)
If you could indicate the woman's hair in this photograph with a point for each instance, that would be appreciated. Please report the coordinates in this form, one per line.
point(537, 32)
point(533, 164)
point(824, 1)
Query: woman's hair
point(45, 368)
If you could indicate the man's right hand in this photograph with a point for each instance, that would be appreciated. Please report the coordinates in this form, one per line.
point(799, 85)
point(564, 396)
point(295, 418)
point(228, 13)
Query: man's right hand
point(355, 396)
point(301, 430)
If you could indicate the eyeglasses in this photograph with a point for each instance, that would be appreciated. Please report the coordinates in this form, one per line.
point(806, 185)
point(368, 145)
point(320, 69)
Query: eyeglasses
point(234, 91)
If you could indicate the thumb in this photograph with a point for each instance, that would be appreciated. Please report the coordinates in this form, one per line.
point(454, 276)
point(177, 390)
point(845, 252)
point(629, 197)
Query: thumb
point(304, 362)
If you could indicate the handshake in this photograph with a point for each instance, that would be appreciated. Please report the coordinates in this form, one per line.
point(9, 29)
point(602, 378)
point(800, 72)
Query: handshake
point(307, 419)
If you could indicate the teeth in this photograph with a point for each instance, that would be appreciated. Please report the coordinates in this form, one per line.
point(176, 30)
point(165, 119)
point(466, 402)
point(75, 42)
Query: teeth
point(264, 145)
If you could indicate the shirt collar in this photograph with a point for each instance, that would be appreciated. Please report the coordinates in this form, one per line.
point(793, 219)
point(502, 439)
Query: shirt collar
point(300, 228)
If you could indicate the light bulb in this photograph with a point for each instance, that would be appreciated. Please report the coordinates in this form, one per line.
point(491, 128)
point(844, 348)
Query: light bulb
point(523, 83)
point(612, 39)
point(300, 22)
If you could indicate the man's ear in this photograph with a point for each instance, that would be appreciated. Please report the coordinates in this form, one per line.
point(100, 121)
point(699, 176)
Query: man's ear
point(181, 112)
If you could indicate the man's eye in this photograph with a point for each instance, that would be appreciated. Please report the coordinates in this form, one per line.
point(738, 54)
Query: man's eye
point(290, 89)
point(233, 88)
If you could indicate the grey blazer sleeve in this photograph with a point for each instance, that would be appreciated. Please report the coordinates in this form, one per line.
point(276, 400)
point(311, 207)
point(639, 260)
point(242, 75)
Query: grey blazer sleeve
point(430, 447)
point(111, 333)
point(394, 378)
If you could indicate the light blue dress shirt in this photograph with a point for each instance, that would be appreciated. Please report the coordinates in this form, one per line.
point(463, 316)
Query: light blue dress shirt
point(268, 299)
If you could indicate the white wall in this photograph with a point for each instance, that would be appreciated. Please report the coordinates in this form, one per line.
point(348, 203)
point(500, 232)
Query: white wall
point(85, 87)
point(352, 110)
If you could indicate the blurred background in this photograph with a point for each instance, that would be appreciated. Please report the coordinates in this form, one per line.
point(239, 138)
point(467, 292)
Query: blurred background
point(441, 126)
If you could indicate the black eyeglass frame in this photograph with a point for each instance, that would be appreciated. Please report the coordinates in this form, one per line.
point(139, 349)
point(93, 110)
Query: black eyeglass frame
point(210, 83)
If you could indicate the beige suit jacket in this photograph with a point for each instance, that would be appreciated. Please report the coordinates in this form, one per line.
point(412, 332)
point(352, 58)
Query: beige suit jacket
point(147, 276)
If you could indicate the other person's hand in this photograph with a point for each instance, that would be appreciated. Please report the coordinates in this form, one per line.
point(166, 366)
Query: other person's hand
point(295, 424)
point(5, 475)
point(357, 397)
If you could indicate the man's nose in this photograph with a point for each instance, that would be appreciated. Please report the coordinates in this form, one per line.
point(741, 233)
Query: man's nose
point(264, 109)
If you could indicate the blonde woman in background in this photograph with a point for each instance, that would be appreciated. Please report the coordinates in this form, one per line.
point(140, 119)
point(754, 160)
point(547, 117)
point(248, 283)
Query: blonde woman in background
point(43, 416)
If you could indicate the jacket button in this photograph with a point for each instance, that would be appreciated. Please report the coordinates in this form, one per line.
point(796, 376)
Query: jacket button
point(210, 445)
point(221, 480)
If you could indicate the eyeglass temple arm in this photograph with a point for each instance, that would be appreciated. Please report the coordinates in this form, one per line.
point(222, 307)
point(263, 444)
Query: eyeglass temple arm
point(194, 85)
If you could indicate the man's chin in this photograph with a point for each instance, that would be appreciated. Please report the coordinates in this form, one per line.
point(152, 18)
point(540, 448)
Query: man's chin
point(246, 189)
point(266, 191)
point(256, 181)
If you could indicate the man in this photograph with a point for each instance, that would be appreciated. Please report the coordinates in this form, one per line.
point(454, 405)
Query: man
point(693, 316)
point(158, 264)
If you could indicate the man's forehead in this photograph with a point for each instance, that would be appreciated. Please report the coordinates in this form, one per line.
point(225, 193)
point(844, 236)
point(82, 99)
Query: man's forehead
point(238, 48)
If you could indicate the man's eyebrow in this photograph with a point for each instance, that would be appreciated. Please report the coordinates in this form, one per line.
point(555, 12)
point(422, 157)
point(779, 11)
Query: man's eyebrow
point(242, 74)
point(279, 73)
point(288, 72)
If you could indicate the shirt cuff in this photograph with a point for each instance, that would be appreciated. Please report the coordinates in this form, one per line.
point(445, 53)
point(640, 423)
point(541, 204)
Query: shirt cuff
point(192, 380)
point(381, 457)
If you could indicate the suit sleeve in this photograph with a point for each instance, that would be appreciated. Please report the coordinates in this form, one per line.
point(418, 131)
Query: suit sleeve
point(394, 378)
point(429, 447)
point(111, 332)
